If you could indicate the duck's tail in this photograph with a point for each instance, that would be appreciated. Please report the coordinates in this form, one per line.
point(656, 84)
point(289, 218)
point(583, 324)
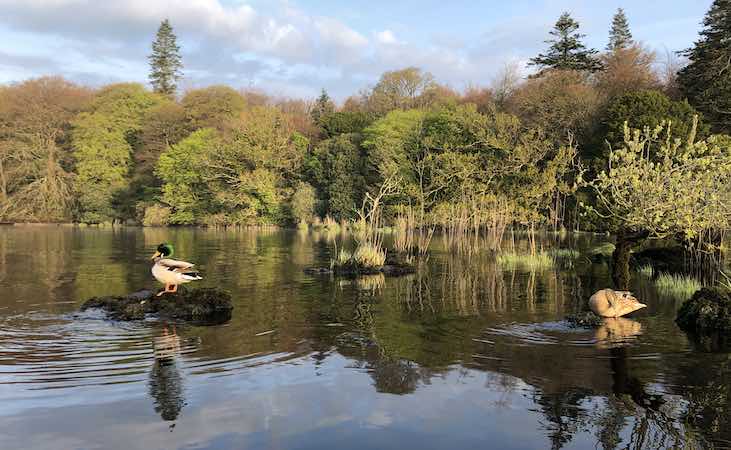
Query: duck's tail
point(191, 276)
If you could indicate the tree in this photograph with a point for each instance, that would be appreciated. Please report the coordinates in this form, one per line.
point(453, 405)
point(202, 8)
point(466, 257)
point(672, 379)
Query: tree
point(165, 61)
point(36, 167)
point(706, 80)
point(658, 186)
point(244, 175)
point(400, 89)
point(322, 107)
point(567, 52)
point(163, 125)
point(104, 139)
point(336, 169)
point(344, 122)
point(181, 170)
point(560, 102)
point(620, 37)
point(212, 107)
point(303, 203)
point(648, 109)
point(627, 69)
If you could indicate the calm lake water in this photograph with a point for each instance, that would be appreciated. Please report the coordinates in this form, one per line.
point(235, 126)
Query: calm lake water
point(462, 354)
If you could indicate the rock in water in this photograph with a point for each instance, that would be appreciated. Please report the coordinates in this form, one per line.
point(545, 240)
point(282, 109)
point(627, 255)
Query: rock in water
point(203, 305)
point(708, 311)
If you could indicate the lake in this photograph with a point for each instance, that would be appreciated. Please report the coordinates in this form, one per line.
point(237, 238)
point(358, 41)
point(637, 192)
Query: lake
point(463, 354)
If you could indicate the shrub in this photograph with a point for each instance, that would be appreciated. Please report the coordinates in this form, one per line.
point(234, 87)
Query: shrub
point(156, 216)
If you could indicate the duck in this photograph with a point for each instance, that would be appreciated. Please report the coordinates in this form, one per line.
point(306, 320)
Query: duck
point(171, 272)
point(611, 303)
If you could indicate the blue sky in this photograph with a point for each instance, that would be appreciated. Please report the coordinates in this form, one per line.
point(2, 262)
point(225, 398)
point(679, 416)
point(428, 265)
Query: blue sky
point(293, 48)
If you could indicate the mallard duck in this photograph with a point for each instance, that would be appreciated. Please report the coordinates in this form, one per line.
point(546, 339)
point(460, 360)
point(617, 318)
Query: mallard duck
point(171, 272)
point(611, 303)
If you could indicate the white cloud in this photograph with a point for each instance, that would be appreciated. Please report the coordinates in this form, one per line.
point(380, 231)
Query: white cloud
point(386, 37)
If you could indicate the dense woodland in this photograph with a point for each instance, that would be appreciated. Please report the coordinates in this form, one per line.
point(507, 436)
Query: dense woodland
point(619, 140)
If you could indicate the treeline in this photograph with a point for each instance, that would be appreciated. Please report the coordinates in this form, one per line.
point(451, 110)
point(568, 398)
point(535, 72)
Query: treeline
point(514, 152)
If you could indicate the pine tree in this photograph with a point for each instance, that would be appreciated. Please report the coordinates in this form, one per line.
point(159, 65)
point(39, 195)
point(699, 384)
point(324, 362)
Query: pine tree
point(706, 80)
point(323, 106)
point(165, 63)
point(567, 52)
point(620, 36)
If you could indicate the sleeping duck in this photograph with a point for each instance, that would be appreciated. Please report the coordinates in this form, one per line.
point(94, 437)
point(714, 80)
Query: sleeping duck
point(611, 303)
point(171, 272)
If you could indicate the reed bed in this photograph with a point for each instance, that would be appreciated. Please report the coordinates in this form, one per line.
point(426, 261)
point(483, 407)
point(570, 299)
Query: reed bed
point(677, 286)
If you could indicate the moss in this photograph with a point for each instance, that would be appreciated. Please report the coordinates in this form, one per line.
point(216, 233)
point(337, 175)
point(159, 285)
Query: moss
point(584, 320)
point(708, 311)
point(198, 305)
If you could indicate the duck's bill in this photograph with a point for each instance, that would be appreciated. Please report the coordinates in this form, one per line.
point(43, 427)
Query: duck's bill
point(156, 255)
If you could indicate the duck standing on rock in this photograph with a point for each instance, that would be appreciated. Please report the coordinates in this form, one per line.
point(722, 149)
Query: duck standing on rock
point(171, 272)
point(611, 303)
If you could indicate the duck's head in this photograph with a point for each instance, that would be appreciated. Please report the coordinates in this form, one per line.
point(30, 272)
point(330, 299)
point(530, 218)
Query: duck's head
point(164, 250)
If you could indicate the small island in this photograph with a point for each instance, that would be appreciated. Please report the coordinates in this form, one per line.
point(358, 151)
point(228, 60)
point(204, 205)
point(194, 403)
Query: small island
point(204, 305)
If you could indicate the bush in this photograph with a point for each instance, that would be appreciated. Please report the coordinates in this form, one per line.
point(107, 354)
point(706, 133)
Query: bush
point(156, 216)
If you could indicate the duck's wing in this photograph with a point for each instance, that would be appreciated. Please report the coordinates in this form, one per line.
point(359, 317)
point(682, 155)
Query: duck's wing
point(175, 265)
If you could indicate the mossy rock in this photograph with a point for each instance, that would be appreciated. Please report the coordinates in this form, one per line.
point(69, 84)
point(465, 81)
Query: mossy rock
point(584, 320)
point(197, 305)
point(707, 312)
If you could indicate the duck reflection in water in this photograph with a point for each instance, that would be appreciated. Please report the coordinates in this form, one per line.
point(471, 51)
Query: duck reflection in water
point(617, 332)
point(166, 382)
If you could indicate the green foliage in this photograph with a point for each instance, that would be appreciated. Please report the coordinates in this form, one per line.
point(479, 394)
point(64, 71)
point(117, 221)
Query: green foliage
point(567, 52)
point(620, 36)
point(666, 186)
point(642, 109)
point(345, 122)
point(165, 62)
point(103, 140)
point(156, 216)
point(303, 203)
point(212, 107)
point(323, 107)
point(242, 176)
point(336, 169)
point(706, 80)
point(181, 170)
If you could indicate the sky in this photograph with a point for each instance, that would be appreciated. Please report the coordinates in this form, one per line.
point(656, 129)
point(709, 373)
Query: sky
point(297, 47)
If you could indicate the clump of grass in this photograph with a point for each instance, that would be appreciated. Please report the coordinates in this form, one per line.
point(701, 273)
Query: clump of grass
point(540, 260)
point(369, 256)
point(330, 223)
point(568, 253)
point(677, 286)
point(646, 270)
point(344, 257)
point(605, 249)
point(302, 225)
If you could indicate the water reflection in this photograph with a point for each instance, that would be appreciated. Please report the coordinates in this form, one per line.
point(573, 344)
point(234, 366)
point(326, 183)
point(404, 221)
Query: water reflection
point(166, 381)
point(461, 353)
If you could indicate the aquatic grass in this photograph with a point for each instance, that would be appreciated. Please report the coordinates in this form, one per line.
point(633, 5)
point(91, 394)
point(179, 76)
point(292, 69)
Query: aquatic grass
point(646, 270)
point(568, 253)
point(302, 225)
point(344, 257)
point(330, 223)
point(605, 249)
point(368, 255)
point(677, 286)
point(538, 261)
